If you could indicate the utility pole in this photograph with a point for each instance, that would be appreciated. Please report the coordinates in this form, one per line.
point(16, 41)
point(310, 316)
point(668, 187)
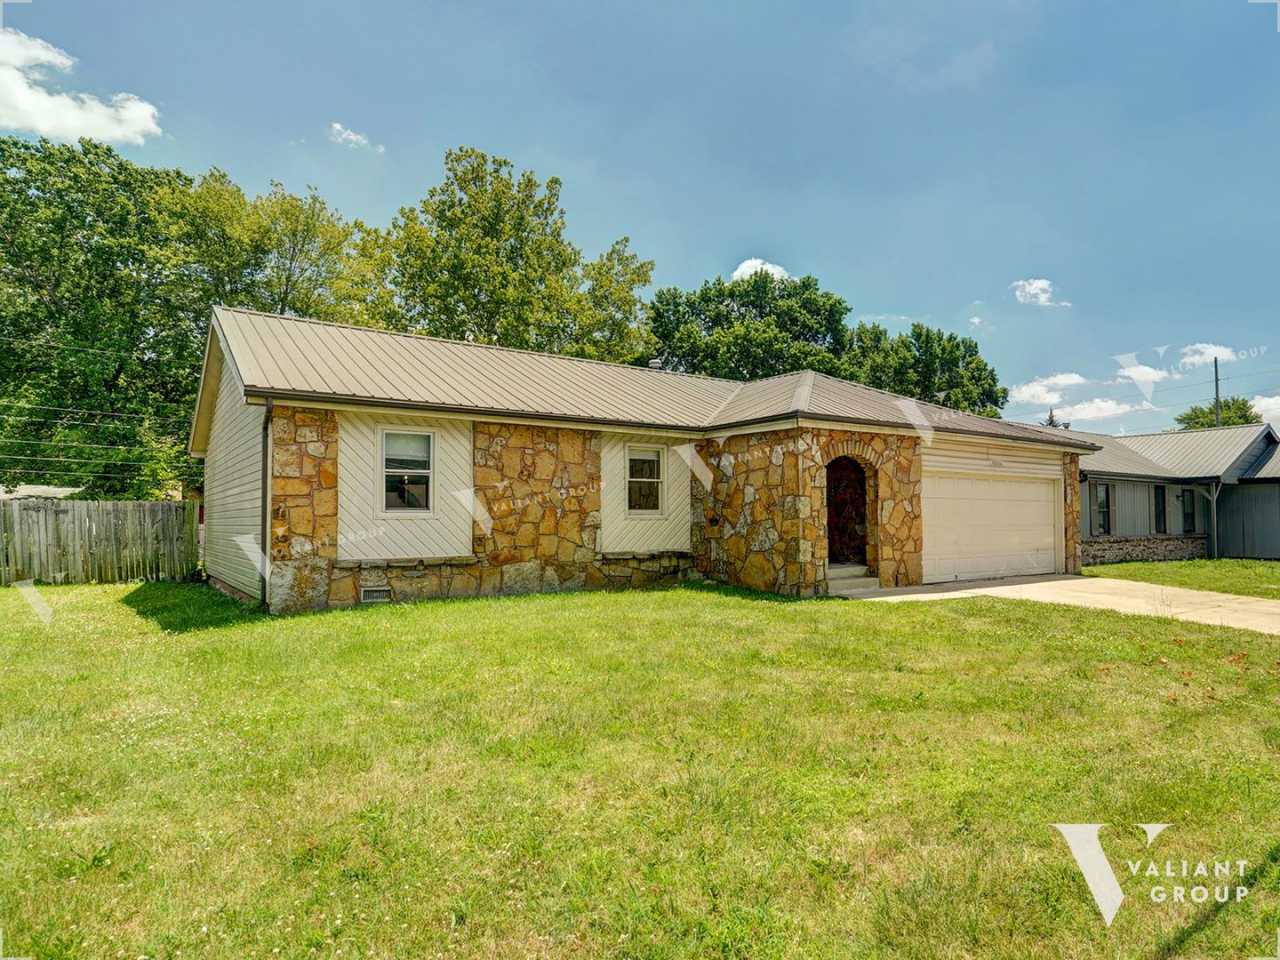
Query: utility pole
point(1217, 395)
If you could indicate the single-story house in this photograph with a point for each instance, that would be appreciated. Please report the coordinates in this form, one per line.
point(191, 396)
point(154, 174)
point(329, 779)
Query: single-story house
point(1181, 494)
point(380, 466)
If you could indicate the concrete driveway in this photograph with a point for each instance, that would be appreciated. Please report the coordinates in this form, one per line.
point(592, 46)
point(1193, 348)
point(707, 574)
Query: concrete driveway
point(1123, 596)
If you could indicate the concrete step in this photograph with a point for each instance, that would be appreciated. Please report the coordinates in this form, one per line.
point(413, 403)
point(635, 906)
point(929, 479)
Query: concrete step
point(846, 571)
point(850, 580)
point(849, 589)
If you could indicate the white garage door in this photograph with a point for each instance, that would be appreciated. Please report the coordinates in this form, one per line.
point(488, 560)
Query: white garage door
point(977, 527)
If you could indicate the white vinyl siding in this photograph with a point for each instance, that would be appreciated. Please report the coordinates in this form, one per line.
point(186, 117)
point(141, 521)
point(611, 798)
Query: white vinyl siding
point(986, 459)
point(233, 489)
point(366, 531)
point(622, 531)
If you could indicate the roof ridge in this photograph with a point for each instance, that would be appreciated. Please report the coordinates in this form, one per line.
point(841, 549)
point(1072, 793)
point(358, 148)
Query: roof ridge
point(1229, 426)
point(470, 343)
point(928, 403)
point(711, 419)
point(804, 390)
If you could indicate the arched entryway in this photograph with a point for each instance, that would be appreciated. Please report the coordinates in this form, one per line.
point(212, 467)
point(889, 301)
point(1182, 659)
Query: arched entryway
point(849, 504)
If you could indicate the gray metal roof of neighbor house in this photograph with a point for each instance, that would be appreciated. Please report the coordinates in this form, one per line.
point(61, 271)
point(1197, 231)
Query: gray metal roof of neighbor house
point(1116, 458)
point(1267, 466)
point(1226, 453)
point(298, 360)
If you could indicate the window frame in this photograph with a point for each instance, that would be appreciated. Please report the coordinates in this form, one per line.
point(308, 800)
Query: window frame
point(1188, 497)
point(409, 513)
point(661, 481)
point(1103, 518)
point(1160, 504)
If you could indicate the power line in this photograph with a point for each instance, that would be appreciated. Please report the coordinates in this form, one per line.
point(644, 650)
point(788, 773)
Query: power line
point(74, 423)
point(102, 460)
point(82, 412)
point(1256, 373)
point(79, 348)
point(70, 473)
point(68, 346)
point(74, 443)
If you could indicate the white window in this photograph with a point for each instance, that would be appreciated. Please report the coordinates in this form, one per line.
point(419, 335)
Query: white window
point(406, 471)
point(646, 478)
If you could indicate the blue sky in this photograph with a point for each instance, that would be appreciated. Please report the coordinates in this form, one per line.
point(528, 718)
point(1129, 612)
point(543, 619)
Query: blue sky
point(1088, 188)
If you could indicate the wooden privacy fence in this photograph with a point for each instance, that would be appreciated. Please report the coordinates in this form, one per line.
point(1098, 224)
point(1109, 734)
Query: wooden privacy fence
point(102, 541)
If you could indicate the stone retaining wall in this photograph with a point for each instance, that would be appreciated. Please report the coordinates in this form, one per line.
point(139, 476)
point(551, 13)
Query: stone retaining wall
point(1122, 549)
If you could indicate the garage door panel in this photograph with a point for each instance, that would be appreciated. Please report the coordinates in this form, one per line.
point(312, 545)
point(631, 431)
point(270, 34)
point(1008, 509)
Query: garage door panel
point(979, 527)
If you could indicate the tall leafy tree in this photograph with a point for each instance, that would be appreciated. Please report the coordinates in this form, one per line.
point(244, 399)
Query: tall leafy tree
point(101, 347)
point(108, 274)
point(484, 258)
point(762, 325)
point(1236, 411)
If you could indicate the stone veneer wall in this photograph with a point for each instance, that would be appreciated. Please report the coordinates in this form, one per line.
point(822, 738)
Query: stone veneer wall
point(1071, 511)
point(1100, 550)
point(897, 467)
point(304, 507)
point(763, 522)
point(536, 526)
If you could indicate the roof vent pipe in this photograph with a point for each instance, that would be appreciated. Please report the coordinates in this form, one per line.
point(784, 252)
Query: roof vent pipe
point(655, 364)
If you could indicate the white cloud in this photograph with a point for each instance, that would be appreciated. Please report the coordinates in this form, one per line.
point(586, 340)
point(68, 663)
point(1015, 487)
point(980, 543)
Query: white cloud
point(1036, 292)
point(1143, 375)
point(1045, 389)
point(27, 106)
point(1269, 407)
point(754, 265)
point(1100, 409)
point(346, 137)
point(976, 322)
point(1203, 354)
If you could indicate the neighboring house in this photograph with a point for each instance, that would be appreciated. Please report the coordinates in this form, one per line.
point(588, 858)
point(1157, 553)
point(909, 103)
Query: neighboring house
point(383, 466)
point(34, 491)
point(1181, 494)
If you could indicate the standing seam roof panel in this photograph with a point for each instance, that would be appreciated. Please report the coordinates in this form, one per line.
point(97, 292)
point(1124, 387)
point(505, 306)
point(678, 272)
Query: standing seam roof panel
point(290, 355)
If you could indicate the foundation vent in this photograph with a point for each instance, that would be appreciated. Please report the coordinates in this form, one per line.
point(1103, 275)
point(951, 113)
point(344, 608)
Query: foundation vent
point(375, 594)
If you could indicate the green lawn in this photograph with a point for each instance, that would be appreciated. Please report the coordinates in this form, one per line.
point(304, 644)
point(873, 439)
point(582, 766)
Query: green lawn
point(689, 773)
point(1247, 578)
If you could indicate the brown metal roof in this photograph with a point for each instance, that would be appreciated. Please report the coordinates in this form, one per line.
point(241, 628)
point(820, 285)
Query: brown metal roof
point(289, 358)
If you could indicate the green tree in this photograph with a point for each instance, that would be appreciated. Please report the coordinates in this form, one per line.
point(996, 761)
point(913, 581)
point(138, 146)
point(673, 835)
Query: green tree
point(108, 275)
point(1053, 421)
point(484, 258)
point(280, 253)
point(100, 346)
point(1236, 411)
point(762, 325)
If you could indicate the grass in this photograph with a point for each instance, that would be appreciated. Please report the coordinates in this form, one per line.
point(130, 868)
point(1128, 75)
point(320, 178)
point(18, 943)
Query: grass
point(1246, 578)
point(690, 773)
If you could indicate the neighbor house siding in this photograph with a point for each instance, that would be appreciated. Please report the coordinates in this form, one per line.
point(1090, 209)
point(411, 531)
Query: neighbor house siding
point(1133, 509)
point(233, 489)
point(622, 533)
point(365, 532)
point(1249, 521)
